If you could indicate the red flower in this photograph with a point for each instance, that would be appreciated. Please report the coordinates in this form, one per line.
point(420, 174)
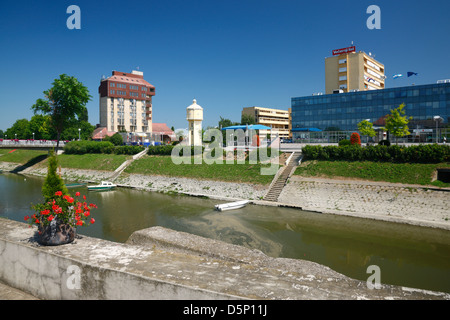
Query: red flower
point(77, 194)
point(50, 217)
point(92, 220)
point(58, 193)
point(26, 218)
point(79, 223)
point(84, 197)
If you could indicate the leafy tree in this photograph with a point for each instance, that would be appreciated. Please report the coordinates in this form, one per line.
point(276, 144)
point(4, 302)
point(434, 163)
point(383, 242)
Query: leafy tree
point(366, 128)
point(19, 128)
point(53, 181)
point(65, 103)
point(116, 139)
point(247, 119)
point(223, 123)
point(2, 134)
point(41, 127)
point(72, 133)
point(397, 122)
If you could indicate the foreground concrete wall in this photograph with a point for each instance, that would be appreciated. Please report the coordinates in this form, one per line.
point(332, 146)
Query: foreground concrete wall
point(99, 267)
point(158, 263)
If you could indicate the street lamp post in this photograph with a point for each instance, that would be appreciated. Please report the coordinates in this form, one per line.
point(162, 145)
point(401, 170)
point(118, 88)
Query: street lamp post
point(79, 134)
point(437, 119)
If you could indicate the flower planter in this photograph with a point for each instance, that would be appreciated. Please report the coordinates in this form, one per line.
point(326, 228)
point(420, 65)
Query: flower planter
point(56, 233)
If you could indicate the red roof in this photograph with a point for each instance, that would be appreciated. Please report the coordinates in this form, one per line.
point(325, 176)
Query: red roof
point(162, 128)
point(101, 133)
point(130, 78)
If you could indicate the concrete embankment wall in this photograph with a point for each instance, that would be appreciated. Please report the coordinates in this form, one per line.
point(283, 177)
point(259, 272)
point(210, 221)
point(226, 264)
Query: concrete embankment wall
point(158, 263)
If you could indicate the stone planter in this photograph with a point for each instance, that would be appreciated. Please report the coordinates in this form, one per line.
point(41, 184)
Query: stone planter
point(56, 233)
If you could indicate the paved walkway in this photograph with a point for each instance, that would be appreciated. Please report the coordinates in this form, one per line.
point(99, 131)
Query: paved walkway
point(9, 293)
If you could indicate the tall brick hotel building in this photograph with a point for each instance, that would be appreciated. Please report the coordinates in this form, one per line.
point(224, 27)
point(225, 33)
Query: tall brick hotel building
point(126, 102)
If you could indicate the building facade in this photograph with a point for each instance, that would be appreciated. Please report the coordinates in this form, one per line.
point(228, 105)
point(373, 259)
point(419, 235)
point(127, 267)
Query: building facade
point(345, 110)
point(126, 102)
point(349, 71)
point(277, 119)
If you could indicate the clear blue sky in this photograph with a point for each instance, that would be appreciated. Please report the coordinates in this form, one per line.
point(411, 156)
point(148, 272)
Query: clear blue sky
point(226, 54)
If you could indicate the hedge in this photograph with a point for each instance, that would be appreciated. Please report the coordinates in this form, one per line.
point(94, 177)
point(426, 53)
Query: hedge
point(166, 150)
point(430, 153)
point(82, 147)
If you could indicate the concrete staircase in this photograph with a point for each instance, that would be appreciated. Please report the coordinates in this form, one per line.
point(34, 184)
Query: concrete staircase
point(124, 165)
point(280, 180)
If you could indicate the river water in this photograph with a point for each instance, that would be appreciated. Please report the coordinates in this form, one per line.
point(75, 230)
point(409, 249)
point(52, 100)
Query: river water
point(409, 256)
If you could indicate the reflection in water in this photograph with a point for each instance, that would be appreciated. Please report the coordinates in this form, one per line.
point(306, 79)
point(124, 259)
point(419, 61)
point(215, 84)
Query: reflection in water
point(407, 255)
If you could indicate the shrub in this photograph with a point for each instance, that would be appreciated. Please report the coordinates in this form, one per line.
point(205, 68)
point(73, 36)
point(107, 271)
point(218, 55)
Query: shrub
point(380, 153)
point(128, 150)
point(344, 142)
point(355, 139)
point(115, 139)
point(82, 147)
point(53, 181)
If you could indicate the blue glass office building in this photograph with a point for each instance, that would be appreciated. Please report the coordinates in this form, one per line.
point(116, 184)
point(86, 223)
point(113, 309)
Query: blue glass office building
point(346, 110)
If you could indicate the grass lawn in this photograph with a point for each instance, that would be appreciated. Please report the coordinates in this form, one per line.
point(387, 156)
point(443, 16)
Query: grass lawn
point(20, 156)
point(408, 173)
point(93, 161)
point(163, 165)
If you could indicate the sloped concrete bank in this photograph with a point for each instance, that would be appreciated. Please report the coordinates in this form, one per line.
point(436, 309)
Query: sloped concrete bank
point(158, 263)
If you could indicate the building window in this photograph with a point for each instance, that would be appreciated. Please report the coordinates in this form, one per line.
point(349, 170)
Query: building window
point(343, 69)
point(342, 61)
point(342, 78)
point(111, 92)
point(112, 84)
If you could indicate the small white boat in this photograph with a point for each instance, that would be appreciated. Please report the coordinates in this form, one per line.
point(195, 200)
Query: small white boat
point(231, 205)
point(105, 185)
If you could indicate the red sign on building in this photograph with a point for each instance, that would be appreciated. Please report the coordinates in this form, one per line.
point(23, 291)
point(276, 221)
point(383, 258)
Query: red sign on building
point(344, 50)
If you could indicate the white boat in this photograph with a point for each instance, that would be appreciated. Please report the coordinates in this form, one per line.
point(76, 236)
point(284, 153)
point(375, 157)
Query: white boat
point(105, 185)
point(231, 205)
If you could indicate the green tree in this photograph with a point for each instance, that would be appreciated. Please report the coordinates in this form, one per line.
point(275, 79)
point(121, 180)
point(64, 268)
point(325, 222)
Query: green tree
point(20, 129)
point(53, 181)
point(72, 132)
point(223, 123)
point(247, 119)
point(116, 139)
point(65, 103)
point(366, 128)
point(397, 122)
point(41, 127)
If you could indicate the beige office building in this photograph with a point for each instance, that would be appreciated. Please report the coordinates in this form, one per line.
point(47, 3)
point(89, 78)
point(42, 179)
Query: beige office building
point(277, 119)
point(353, 71)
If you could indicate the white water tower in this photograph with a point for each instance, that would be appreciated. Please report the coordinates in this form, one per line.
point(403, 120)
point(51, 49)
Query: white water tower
point(195, 118)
